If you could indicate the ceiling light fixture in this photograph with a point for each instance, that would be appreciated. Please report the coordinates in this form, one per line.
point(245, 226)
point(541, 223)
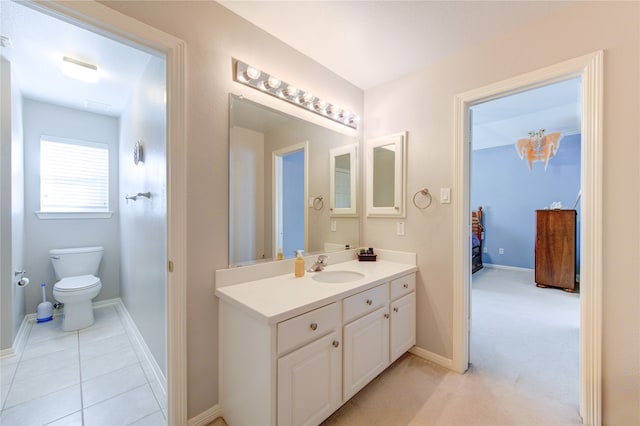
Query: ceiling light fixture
point(538, 147)
point(260, 80)
point(79, 70)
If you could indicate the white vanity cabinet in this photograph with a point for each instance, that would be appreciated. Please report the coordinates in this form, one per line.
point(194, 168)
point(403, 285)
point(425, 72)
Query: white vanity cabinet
point(309, 378)
point(292, 351)
point(366, 339)
point(403, 315)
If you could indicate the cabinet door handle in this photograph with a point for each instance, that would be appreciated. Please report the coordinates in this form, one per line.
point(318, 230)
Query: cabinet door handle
point(405, 285)
point(369, 302)
point(386, 315)
point(395, 309)
point(335, 343)
point(313, 326)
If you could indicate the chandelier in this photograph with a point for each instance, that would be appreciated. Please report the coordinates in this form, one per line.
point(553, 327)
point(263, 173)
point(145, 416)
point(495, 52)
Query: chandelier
point(538, 147)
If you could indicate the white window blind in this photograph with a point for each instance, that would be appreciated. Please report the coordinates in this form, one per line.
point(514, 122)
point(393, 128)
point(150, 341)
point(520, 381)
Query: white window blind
point(74, 175)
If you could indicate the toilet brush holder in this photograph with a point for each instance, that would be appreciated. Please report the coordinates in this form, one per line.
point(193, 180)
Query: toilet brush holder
point(45, 309)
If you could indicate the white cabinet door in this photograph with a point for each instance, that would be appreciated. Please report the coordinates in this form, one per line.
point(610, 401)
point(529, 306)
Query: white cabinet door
point(403, 325)
point(309, 382)
point(366, 350)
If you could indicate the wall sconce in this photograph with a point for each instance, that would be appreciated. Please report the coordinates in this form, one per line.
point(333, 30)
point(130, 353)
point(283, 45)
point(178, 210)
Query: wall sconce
point(260, 80)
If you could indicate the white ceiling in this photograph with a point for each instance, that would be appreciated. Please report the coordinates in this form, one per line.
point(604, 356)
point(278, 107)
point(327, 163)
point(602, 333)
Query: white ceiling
point(366, 42)
point(372, 42)
point(38, 43)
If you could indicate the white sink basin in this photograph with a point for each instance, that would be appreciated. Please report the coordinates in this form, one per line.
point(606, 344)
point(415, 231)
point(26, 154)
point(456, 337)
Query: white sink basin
point(337, 277)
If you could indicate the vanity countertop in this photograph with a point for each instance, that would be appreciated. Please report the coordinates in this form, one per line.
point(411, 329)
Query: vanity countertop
point(281, 297)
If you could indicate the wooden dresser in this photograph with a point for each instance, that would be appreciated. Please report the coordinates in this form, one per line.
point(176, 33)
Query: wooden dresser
point(556, 248)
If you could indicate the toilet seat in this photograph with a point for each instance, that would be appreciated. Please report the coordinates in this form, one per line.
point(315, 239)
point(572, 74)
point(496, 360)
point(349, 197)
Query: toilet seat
point(81, 282)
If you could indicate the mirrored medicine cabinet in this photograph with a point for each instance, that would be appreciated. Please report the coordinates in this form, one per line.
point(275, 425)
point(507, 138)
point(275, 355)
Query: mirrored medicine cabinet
point(386, 176)
point(343, 181)
point(292, 185)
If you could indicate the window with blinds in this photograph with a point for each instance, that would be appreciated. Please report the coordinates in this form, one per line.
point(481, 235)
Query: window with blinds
point(74, 176)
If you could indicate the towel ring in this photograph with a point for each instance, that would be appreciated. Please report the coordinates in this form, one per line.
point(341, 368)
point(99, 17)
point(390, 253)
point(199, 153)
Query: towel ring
point(424, 192)
point(318, 203)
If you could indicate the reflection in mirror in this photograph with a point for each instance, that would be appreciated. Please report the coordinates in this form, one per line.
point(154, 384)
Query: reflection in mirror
point(260, 140)
point(386, 175)
point(343, 180)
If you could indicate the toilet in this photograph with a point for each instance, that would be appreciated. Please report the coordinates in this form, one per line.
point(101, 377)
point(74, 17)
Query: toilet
point(76, 271)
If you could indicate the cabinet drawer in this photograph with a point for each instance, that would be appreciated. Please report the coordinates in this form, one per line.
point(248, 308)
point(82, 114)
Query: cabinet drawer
point(403, 285)
point(307, 327)
point(359, 304)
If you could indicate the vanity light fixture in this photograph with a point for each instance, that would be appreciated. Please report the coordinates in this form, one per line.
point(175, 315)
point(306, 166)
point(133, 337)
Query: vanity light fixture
point(253, 77)
point(79, 70)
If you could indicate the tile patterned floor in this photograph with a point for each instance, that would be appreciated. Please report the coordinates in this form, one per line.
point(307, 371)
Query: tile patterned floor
point(91, 377)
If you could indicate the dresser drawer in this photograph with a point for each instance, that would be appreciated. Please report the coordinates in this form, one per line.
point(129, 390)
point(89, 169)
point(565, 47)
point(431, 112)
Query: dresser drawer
point(359, 304)
point(403, 285)
point(304, 328)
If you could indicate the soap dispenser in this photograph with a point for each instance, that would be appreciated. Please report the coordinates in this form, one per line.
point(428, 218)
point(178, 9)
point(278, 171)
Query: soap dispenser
point(299, 268)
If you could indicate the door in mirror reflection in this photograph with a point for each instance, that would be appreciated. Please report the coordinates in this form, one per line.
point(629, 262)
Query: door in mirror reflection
point(289, 189)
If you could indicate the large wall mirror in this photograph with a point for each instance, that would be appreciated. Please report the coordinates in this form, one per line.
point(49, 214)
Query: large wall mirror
point(279, 185)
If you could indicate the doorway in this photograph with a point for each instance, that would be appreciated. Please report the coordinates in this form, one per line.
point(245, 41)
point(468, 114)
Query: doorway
point(521, 334)
point(589, 68)
point(100, 19)
point(290, 171)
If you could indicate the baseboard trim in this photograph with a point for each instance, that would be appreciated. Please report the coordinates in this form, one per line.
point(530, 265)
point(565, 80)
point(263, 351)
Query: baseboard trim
point(19, 341)
point(7, 353)
point(513, 268)
point(206, 417)
point(131, 325)
point(433, 357)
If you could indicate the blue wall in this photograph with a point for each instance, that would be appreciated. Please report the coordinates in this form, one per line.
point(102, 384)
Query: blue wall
point(292, 201)
point(510, 194)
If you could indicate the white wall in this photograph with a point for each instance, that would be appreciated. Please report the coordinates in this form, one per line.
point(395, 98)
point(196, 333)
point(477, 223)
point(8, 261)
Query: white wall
point(142, 231)
point(213, 36)
point(41, 235)
point(12, 202)
point(17, 207)
point(247, 219)
point(422, 103)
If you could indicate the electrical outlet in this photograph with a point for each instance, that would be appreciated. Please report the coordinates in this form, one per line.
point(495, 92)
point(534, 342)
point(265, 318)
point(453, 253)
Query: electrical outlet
point(500, 251)
point(333, 226)
point(485, 250)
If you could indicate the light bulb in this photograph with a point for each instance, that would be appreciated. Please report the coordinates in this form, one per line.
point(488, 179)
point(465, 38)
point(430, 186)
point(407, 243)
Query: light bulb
point(306, 98)
point(290, 91)
point(251, 73)
point(320, 105)
point(272, 83)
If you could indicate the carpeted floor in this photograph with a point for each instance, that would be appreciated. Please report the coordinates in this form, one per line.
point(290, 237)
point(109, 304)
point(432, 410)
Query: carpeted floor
point(524, 354)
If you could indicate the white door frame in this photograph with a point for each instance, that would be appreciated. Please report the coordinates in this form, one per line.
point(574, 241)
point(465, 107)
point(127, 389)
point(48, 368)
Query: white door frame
point(104, 20)
point(276, 193)
point(590, 68)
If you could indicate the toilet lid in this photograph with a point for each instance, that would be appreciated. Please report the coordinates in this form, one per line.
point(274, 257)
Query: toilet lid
point(81, 282)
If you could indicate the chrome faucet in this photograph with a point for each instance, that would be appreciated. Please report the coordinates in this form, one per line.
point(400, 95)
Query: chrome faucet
point(319, 264)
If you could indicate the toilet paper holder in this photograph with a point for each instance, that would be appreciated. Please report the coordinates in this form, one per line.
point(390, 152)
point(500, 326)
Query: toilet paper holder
point(22, 281)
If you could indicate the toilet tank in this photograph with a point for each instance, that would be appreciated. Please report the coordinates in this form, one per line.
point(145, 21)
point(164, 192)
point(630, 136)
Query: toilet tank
point(71, 262)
